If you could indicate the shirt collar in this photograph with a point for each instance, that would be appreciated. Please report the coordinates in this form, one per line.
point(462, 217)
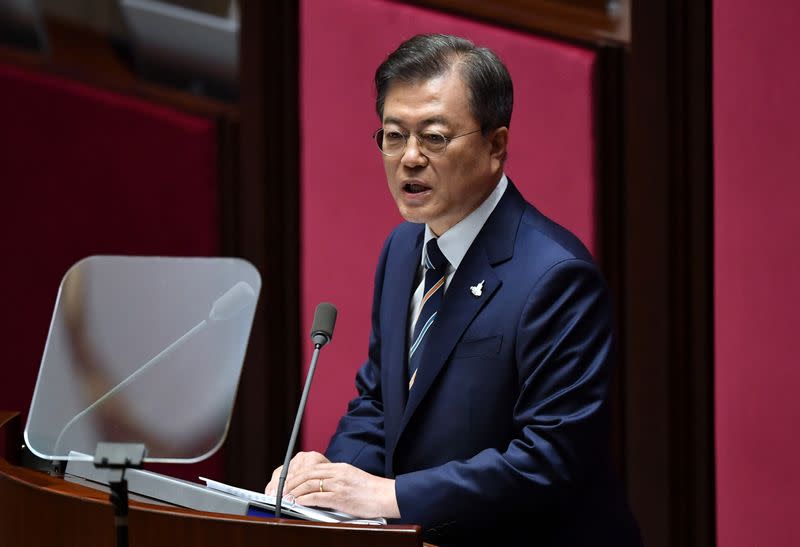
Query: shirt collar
point(455, 242)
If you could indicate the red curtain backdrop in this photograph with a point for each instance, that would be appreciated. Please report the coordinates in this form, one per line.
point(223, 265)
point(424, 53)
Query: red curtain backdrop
point(347, 211)
point(85, 171)
point(757, 268)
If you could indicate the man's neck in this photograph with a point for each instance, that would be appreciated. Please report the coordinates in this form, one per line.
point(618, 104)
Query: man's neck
point(455, 242)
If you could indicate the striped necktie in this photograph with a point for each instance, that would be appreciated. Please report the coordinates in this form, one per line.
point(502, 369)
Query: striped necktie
point(435, 273)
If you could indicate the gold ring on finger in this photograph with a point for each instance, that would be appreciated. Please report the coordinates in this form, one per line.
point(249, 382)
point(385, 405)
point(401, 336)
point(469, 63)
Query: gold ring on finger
point(321, 485)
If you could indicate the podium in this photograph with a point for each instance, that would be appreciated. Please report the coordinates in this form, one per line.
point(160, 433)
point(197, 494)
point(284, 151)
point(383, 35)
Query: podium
point(39, 509)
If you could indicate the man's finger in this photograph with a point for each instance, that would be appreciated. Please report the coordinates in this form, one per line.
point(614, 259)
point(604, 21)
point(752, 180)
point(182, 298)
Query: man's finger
point(298, 480)
point(295, 465)
point(319, 499)
point(311, 486)
point(299, 467)
point(272, 486)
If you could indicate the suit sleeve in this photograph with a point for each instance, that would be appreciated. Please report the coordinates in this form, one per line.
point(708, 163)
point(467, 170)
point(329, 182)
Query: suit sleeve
point(359, 438)
point(563, 356)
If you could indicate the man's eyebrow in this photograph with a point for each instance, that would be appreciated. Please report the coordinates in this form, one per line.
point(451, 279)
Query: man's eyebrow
point(441, 120)
point(392, 119)
point(427, 121)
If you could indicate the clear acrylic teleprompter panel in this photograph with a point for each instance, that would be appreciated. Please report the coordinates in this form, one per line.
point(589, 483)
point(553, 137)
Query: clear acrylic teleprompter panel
point(143, 349)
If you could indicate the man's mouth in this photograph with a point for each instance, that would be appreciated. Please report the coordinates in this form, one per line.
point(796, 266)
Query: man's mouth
point(414, 188)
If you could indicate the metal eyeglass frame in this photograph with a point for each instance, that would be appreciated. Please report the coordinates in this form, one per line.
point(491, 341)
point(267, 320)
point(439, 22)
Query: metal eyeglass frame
point(423, 146)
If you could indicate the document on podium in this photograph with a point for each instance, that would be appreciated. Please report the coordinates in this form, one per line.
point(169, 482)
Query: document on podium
point(293, 509)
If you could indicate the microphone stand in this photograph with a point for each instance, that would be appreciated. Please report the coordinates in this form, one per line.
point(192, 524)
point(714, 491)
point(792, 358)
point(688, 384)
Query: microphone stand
point(298, 418)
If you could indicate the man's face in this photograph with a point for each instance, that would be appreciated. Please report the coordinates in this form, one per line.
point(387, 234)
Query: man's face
point(440, 190)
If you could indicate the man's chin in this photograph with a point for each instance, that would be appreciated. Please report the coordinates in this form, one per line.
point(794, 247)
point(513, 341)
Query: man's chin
point(414, 220)
point(412, 215)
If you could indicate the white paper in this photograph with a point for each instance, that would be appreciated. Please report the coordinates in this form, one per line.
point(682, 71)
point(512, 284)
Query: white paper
point(302, 511)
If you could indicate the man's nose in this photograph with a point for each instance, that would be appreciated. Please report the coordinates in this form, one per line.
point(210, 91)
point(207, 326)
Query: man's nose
point(413, 155)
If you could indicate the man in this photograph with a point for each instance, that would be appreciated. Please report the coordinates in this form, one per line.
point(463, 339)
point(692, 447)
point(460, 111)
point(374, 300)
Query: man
point(482, 409)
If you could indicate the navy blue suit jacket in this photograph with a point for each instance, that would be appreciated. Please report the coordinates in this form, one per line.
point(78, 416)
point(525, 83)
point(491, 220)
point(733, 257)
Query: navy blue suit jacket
point(506, 428)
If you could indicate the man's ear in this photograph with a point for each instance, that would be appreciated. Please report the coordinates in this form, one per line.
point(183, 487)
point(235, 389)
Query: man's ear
point(498, 141)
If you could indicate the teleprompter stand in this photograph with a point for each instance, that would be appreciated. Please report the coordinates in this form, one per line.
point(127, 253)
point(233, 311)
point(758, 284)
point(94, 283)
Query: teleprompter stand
point(118, 457)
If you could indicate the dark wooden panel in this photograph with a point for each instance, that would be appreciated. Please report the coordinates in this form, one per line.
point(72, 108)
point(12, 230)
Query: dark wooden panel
point(609, 132)
point(266, 233)
point(582, 20)
point(668, 246)
point(10, 435)
point(594, 5)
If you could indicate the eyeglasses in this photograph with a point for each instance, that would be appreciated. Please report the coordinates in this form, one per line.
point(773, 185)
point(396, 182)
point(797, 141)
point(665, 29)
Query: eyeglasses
point(431, 143)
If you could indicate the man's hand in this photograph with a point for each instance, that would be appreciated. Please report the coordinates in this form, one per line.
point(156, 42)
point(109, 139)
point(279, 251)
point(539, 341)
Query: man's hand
point(301, 462)
point(314, 481)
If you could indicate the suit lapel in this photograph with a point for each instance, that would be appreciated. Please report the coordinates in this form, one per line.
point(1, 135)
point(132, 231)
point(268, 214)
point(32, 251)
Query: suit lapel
point(398, 289)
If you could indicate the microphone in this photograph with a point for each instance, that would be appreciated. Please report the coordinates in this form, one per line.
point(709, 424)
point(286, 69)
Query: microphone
point(324, 321)
point(321, 334)
point(225, 307)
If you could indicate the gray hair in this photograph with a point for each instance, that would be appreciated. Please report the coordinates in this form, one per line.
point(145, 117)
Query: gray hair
point(425, 56)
